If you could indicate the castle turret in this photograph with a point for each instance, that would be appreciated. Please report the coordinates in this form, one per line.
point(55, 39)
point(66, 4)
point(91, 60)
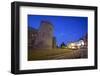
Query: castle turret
point(45, 35)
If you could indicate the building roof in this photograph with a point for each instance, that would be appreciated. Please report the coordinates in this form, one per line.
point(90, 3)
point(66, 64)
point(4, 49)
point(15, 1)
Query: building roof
point(32, 29)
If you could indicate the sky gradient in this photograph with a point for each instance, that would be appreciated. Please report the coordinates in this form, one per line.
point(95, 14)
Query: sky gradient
point(66, 28)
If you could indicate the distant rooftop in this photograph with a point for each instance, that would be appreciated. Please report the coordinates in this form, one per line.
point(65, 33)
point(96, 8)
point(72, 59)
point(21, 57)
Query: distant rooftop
point(31, 28)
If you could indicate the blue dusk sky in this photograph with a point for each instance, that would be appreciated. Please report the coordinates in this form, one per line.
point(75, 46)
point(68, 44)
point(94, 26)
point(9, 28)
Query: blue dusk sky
point(66, 28)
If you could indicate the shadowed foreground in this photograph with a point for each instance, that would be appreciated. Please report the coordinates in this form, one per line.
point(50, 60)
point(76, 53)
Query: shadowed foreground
point(53, 54)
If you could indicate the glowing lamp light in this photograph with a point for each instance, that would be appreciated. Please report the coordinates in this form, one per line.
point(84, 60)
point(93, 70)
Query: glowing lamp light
point(72, 44)
point(82, 43)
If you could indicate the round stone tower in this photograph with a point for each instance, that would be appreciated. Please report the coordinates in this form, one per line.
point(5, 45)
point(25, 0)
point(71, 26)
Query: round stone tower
point(45, 36)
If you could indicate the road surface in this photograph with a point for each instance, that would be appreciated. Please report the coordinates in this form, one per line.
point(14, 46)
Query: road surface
point(54, 54)
point(73, 54)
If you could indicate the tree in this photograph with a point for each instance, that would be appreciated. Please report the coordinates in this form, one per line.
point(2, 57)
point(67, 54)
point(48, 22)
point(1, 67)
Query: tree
point(62, 45)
